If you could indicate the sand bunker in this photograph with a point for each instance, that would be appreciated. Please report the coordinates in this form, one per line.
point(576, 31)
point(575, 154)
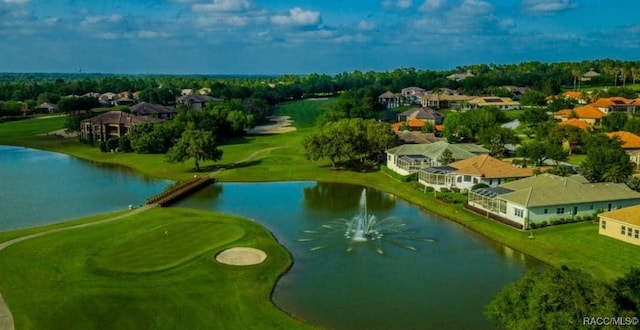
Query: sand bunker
point(281, 124)
point(241, 256)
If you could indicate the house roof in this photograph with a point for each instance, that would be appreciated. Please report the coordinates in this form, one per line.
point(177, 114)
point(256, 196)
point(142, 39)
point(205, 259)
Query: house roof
point(422, 113)
point(145, 109)
point(412, 89)
point(550, 190)
point(195, 98)
point(447, 97)
point(577, 123)
point(490, 168)
point(494, 100)
point(121, 118)
point(629, 140)
point(604, 102)
point(590, 74)
point(435, 150)
point(627, 214)
point(47, 105)
point(573, 94)
point(387, 95)
point(416, 137)
point(586, 112)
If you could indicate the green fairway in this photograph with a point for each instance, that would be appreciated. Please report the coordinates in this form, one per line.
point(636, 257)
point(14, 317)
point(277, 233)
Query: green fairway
point(166, 246)
point(153, 270)
point(304, 113)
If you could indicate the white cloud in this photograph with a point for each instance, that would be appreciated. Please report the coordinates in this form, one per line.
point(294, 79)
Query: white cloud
point(398, 4)
point(547, 6)
point(15, 2)
point(432, 5)
point(367, 26)
point(298, 17)
point(470, 8)
point(115, 18)
point(223, 6)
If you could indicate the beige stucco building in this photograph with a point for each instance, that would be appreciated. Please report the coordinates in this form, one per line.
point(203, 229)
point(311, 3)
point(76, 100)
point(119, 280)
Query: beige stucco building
point(622, 224)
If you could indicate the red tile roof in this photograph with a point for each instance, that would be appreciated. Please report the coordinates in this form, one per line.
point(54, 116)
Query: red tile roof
point(577, 123)
point(629, 140)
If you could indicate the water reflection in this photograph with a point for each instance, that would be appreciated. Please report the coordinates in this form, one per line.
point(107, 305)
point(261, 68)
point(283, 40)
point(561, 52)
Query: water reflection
point(335, 197)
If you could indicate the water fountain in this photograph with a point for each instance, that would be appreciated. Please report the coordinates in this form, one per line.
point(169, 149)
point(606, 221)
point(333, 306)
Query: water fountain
point(364, 227)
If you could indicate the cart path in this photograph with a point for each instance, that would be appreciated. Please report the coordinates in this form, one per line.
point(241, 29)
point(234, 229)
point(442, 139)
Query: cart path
point(6, 318)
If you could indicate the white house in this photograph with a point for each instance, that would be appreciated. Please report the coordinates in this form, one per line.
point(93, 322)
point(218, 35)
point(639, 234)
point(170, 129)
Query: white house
point(548, 197)
point(409, 158)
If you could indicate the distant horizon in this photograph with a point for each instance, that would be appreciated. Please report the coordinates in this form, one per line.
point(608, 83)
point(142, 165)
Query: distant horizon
point(278, 37)
point(454, 69)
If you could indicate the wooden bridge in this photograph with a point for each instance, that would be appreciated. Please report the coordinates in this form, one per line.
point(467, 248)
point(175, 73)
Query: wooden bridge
point(180, 190)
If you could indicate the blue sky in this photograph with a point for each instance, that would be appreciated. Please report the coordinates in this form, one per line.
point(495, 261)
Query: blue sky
point(305, 36)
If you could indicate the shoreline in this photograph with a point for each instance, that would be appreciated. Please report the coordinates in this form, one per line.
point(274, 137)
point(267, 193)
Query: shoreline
point(552, 251)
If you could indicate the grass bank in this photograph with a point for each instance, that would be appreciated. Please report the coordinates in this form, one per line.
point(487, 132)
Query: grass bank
point(281, 158)
point(128, 273)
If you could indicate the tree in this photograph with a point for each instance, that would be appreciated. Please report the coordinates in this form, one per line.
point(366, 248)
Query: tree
point(634, 183)
point(628, 292)
point(446, 158)
point(606, 161)
point(353, 139)
point(533, 97)
point(539, 151)
point(533, 116)
point(197, 144)
point(552, 299)
point(614, 121)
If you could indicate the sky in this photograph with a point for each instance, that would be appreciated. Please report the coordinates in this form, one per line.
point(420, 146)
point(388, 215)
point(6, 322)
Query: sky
point(308, 36)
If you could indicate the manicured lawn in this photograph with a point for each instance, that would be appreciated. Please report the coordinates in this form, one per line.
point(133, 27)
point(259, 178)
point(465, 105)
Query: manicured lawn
point(576, 159)
point(304, 113)
point(281, 158)
point(154, 270)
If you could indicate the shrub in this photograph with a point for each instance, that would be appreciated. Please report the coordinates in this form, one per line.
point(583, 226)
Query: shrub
point(429, 189)
point(479, 185)
point(455, 190)
point(444, 190)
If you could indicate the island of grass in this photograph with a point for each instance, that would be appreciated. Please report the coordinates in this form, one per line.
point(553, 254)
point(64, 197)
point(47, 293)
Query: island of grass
point(128, 273)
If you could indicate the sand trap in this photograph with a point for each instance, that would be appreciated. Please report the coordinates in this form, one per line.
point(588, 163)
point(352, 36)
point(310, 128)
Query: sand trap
point(241, 256)
point(282, 124)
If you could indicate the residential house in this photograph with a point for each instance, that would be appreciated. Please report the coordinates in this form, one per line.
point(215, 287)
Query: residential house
point(196, 102)
point(413, 94)
point(546, 198)
point(586, 113)
point(466, 173)
point(154, 110)
point(204, 91)
point(445, 100)
point(186, 91)
point(107, 99)
point(46, 107)
point(589, 75)
point(614, 104)
point(460, 76)
point(630, 144)
point(423, 114)
point(575, 122)
point(112, 123)
point(409, 158)
point(516, 92)
point(390, 100)
point(579, 97)
point(502, 103)
point(622, 224)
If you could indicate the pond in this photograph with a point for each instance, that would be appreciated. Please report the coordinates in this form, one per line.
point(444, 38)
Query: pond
point(40, 187)
point(424, 272)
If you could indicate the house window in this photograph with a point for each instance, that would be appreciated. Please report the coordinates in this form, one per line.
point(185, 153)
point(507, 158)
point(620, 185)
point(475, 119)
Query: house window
point(603, 224)
point(546, 211)
point(519, 212)
point(636, 233)
point(459, 179)
point(629, 231)
point(475, 180)
point(467, 178)
point(560, 210)
point(609, 207)
point(490, 181)
point(623, 229)
point(591, 207)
